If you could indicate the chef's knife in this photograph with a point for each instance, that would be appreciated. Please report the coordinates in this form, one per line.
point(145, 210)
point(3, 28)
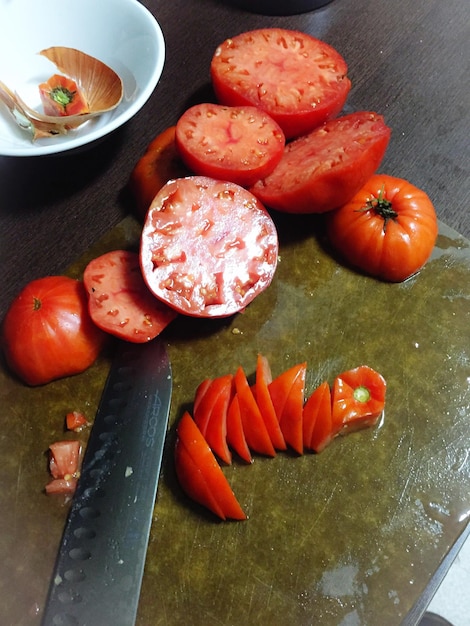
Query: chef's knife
point(99, 568)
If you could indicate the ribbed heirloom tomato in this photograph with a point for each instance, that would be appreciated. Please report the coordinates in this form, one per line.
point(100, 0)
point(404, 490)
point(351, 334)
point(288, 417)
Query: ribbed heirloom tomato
point(388, 229)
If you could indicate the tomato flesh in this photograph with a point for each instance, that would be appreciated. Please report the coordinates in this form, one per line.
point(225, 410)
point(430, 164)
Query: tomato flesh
point(388, 229)
point(235, 434)
point(238, 144)
point(298, 80)
point(210, 414)
point(120, 302)
point(208, 247)
point(287, 394)
point(199, 474)
point(317, 419)
point(48, 333)
point(323, 170)
point(265, 403)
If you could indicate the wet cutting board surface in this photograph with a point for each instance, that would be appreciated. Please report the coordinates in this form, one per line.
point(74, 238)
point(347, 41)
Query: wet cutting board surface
point(350, 536)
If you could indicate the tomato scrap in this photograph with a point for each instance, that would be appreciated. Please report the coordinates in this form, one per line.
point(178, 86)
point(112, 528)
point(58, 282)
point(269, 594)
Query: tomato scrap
point(48, 333)
point(61, 96)
point(324, 169)
point(64, 466)
point(238, 144)
point(298, 80)
point(388, 229)
point(120, 302)
point(76, 421)
point(199, 474)
point(208, 247)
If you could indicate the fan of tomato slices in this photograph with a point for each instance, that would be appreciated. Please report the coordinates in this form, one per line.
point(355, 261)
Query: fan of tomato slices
point(269, 416)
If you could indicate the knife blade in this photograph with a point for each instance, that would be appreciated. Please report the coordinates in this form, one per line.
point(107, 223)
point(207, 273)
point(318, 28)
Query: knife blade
point(99, 567)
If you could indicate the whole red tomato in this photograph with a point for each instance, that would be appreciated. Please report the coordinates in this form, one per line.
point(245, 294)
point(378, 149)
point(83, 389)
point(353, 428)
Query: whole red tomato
point(47, 332)
point(388, 229)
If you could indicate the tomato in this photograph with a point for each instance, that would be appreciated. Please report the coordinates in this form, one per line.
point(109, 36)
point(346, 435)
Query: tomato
point(208, 248)
point(388, 229)
point(298, 80)
point(76, 421)
point(323, 170)
point(287, 394)
point(48, 333)
point(358, 399)
point(238, 144)
point(60, 96)
point(199, 474)
point(317, 419)
point(62, 486)
point(210, 414)
point(265, 403)
point(235, 435)
point(64, 458)
point(120, 302)
point(160, 163)
point(255, 431)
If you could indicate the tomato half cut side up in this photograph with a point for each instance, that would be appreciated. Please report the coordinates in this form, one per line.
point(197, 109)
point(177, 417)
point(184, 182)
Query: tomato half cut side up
point(358, 399)
point(388, 229)
point(287, 394)
point(120, 302)
point(324, 169)
point(298, 80)
point(199, 474)
point(265, 403)
point(317, 424)
point(160, 163)
point(208, 247)
point(239, 144)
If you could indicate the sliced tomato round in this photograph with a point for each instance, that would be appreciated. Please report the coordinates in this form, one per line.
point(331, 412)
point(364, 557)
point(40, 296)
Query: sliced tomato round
point(199, 474)
point(120, 302)
point(238, 144)
point(298, 80)
point(326, 168)
point(208, 247)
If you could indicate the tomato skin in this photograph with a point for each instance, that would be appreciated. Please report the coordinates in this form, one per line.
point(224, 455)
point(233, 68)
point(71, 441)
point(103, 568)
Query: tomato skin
point(208, 247)
point(287, 394)
point(282, 72)
point(235, 434)
point(317, 419)
point(120, 302)
point(358, 399)
point(160, 163)
point(394, 249)
point(238, 144)
point(199, 474)
point(265, 403)
point(48, 333)
point(324, 169)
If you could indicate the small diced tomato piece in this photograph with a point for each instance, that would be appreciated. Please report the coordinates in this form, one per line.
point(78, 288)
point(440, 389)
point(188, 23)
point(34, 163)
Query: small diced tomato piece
point(64, 460)
point(62, 486)
point(76, 421)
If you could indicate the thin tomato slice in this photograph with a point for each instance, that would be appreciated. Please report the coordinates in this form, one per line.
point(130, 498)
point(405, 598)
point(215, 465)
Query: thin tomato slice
point(287, 394)
point(200, 393)
point(120, 302)
point(298, 80)
point(325, 169)
point(358, 399)
point(235, 435)
point(239, 144)
point(199, 474)
point(256, 434)
point(317, 418)
point(265, 403)
point(64, 458)
point(208, 247)
point(160, 163)
point(210, 414)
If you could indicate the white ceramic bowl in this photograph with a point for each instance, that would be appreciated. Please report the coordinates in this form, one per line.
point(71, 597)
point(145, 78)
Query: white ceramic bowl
point(121, 33)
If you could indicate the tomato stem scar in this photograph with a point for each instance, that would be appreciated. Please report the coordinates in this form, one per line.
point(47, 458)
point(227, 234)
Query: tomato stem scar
point(381, 206)
point(362, 394)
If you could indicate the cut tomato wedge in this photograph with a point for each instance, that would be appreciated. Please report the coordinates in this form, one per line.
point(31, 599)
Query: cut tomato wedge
point(239, 144)
point(298, 80)
point(317, 424)
point(287, 394)
point(120, 302)
point(256, 434)
point(325, 169)
point(210, 414)
point(358, 399)
point(265, 403)
point(235, 435)
point(208, 247)
point(199, 474)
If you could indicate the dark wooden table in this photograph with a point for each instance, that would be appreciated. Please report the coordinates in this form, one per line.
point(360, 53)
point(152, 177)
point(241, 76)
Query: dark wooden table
point(408, 59)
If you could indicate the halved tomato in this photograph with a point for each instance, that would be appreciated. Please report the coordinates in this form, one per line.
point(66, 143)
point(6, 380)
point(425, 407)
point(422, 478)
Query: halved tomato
point(199, 474)
point(298, 80)
point(323, 170)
